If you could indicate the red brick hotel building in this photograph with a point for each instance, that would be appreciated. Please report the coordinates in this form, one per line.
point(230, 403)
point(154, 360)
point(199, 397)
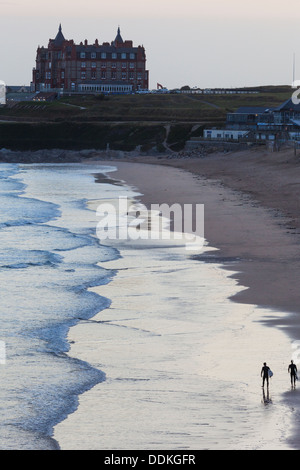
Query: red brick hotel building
point(116, 67)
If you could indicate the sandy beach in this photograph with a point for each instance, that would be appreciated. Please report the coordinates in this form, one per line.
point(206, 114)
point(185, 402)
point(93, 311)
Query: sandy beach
point(252, 207)
point(251, 202)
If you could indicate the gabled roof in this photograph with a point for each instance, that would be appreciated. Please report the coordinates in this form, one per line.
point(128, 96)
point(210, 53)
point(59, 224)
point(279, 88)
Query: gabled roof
point(289, 106)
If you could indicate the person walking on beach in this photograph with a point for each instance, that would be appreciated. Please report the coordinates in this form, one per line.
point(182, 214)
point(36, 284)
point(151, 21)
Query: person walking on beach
point(292, 369)
point(265, 374)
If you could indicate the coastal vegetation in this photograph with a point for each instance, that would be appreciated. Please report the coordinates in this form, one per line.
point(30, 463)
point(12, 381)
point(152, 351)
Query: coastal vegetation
point(123, 122)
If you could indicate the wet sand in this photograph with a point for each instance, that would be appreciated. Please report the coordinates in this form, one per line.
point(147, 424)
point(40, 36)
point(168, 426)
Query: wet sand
point(251, 204)
point(252, 209)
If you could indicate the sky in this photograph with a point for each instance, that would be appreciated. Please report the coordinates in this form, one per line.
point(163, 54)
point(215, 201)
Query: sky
point(200, 43)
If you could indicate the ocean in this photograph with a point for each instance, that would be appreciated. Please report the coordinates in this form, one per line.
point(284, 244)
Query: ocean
point(125, 346)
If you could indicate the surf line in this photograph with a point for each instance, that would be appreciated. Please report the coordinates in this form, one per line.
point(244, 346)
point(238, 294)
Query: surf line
point(128, 220)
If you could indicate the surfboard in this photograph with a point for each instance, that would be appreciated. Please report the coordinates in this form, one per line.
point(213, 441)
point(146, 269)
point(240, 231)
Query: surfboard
point(270, 373)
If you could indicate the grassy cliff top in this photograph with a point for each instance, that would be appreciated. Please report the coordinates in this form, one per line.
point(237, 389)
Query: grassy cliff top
point(160, 108)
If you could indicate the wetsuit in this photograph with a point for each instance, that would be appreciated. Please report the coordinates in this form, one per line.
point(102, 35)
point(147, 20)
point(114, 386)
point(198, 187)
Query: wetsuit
point(265, 374)
point(293, 370)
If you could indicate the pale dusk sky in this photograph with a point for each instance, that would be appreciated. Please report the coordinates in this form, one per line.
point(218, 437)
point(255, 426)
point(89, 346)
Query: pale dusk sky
point(204, 43)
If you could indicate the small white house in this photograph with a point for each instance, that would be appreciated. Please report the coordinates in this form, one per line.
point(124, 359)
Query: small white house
point(2, 92)
point(224, 134)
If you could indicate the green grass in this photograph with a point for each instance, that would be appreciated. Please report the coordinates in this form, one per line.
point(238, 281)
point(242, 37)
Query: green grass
point(123, 122)
point(148, 108)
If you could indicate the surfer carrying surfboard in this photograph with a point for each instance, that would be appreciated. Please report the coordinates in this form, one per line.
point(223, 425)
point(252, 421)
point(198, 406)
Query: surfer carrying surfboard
point(292, 369)
point(265, 374)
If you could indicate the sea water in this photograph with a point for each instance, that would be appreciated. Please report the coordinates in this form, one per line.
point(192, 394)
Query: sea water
point(48, 259)
point(109, 346)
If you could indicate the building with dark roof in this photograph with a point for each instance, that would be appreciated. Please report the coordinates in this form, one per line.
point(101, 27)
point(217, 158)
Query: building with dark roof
point(260, 124)
point(283, 117)
point(247, 117)
point(115, 67)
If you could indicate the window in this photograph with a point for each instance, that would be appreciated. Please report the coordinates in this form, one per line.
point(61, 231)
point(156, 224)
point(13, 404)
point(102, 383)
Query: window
point(131, 76)
point(123, 55)
point(93, 65)
point(82, 55)
point(103, 55)
point(93, 55)
point(93, 74)
point(132, 56)
point(113, 75)
point(131, 65)
point(83, 75)
point(114, 65)
point(103, 75)
point(114, 55)
point(83, 65)
point(124, 75)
